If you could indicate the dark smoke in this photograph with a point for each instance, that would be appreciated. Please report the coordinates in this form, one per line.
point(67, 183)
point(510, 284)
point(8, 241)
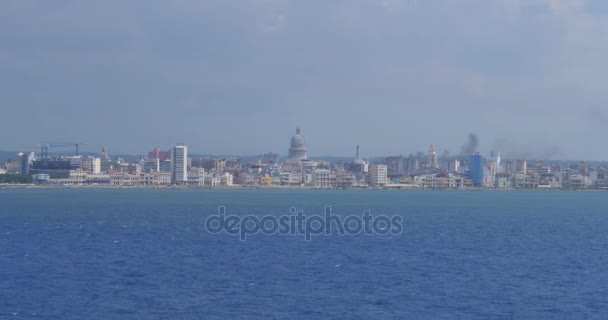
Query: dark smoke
point(470, 147)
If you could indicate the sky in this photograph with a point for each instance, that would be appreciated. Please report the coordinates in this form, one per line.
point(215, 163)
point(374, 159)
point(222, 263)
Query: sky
point(528, 77)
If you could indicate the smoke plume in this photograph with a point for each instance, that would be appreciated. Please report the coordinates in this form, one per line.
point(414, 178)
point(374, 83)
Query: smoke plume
point(470, 147)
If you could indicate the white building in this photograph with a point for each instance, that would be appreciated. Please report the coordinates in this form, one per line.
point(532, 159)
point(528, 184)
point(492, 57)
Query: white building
point(321, 178)
point(91, 165)
point(291, 178)
point(378, 175)
point(179, 164)
point(453, 166)
point(226, 179)
point(521, 166)
point(196, 177)
point(211, 180)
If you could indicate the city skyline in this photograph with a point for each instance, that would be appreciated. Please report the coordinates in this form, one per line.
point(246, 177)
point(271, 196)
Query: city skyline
point(177, 167)
point(469, 148)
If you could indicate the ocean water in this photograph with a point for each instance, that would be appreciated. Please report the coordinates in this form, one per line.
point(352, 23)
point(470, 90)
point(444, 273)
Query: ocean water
point(145, 254)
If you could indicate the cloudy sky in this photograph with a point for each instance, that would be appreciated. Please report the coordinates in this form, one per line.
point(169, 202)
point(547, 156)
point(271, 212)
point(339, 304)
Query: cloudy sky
point(529, 77)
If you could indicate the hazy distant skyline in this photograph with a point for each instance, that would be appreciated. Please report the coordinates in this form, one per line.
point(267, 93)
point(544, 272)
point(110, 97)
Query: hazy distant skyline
point(237, 77)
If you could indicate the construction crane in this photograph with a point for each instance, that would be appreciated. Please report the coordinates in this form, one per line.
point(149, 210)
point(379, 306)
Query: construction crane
point(44, 150)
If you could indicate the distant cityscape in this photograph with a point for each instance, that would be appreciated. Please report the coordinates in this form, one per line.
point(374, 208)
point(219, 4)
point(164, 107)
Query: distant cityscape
point(175, 167)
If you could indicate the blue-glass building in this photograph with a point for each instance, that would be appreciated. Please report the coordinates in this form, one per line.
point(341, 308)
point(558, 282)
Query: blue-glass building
point(476, 169)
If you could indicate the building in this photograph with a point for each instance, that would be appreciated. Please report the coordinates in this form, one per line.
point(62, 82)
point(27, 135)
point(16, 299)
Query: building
point(265, 181)
point(104, 153)
point(321, 178)
point(212, 180)
point(502, 180)
point(413, 164)
point(91, 165)
point(453, 166)
point(179, 164)
point(159, 154)
point(476, 170)
point(291, 178)
point(492, 169)
point(378, 175)
point(165, 166)
point(521, 166)
point(395, 166)
point(298, 150)
point(124, 179)
point(524, 181)
point(220, 165)
point(226, 179)
point(432, 160)
point(578, 181)
point(151, 165)
point(103, 179)
point(206, 163)
point(344, 179)
point(438, 181)
point(56, 167)
point(25, 161)
point(196, 177)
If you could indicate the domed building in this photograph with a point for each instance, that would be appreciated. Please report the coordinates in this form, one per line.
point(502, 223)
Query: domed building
point(297, 150)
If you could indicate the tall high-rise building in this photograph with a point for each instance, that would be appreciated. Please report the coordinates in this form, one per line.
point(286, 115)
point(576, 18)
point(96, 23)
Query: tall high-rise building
point(413, 164)
point(378, 175)
point(453, 165)
point(521, 166)
point(25, 161)
point(476, 170)
point(491, 167)
point(104, 153)
point(395, 166)
point(179, 164)
point(432, 161)
point(499, 165)
point(297, 149)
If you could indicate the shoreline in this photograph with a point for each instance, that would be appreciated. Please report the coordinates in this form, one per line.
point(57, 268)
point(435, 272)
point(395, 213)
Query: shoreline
point(238, 187)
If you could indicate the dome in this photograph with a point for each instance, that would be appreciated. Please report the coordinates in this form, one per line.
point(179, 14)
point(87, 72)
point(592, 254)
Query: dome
point(297, 149)
point(297, 141)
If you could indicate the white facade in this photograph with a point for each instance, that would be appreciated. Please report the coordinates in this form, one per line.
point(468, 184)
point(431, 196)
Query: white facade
point(179, 164)
point(91, 165)
point(211, 180)
point(378, 175)
point(226, 179)
point(291, 178)
point(196, 177)
point(321, 178)
point(453, 166)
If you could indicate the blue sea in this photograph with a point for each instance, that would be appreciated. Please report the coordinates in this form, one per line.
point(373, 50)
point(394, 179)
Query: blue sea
point(145, 254)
